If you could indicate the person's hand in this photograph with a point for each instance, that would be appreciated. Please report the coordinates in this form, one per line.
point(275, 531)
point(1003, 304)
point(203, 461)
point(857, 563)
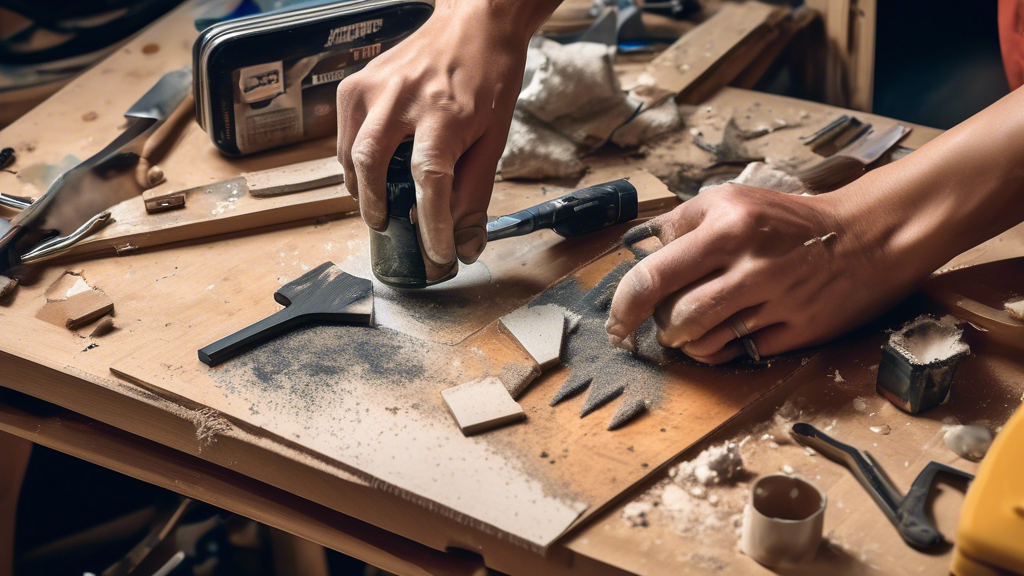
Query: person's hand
point(796, 270)
point(452, 87)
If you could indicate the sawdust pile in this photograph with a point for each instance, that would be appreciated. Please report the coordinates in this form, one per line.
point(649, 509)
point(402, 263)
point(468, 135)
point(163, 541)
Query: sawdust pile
point(688, 499)
point(606, 373)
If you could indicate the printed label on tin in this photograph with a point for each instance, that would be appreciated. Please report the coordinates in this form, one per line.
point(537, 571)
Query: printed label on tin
point(276, 103)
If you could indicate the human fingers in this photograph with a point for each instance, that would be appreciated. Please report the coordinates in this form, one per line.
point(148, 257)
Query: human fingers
point(688, 314)
point(678, 222)
point(374, 145)
point(730, 351)
point(351, 112)
point(748, 320)
point(675, 266)
point(471, 193)
point(435, 152)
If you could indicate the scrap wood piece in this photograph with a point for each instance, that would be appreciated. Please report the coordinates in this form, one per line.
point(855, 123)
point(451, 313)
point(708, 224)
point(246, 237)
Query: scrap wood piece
point(219, 212)
point(481, 405)
point(298, 177)
point(295, 177)
point(711, 55)
point(72, 303)
point(7, 286)
point(78, 310)
point(539, 331)
point(324, 294)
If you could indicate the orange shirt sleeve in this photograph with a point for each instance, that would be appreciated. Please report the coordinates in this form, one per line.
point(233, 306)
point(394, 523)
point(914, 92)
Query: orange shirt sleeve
point(1011, 40)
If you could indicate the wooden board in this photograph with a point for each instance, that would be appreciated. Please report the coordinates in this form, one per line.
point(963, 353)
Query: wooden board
point(708, 57)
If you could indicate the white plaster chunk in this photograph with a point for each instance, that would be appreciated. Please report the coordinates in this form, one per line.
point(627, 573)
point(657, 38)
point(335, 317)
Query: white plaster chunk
point(481, 405)
point(539, 331)
point(1015, 308)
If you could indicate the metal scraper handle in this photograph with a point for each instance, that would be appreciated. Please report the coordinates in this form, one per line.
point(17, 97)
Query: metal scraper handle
point(906, 513)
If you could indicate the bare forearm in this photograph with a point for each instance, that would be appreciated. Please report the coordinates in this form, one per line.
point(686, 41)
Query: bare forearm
point(955, 192)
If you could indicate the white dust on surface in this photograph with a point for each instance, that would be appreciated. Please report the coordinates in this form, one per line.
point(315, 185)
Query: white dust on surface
point(926, 339)
point(688, 499)
point(970, 442)
point(1015, 308)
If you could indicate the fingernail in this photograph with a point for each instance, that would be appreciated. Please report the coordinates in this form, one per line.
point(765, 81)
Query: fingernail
point(614, 328)
point(469, 243)
point(628, 343)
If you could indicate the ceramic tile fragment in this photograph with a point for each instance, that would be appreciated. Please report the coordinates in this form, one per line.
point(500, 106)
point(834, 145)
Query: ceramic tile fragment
point(539, 331)
point(481, 405)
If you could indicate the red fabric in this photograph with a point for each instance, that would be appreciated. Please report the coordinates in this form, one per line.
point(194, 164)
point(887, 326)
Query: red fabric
point(1011, 40)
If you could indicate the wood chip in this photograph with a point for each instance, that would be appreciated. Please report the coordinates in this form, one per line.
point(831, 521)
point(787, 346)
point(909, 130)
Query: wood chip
point(481, 405)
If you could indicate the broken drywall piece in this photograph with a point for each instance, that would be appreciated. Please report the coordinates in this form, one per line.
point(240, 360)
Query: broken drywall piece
point(481, 405)
point(1014, 307)
point(535, 151)
point(574, 89)
point(970, 442)
point(649, 124)
point(517, 377)
point(761, 175)
point(539, 330)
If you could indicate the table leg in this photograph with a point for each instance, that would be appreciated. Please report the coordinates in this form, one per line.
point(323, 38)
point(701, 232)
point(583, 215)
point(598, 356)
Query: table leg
point(14, 453)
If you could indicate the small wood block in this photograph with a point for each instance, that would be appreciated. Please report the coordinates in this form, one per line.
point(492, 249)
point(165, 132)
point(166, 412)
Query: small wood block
point(77, 310)
point(324, 294)
point(7, 285)
point(539, 331)
point(481, 405)
point(295, 177)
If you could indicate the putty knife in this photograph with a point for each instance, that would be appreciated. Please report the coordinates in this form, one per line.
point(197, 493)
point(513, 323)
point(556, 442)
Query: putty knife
point(325, 294)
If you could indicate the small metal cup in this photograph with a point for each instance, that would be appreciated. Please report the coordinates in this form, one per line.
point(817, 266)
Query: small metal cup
point(783, 522)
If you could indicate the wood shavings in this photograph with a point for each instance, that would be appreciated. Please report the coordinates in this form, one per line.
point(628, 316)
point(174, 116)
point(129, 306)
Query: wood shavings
point(209, 424)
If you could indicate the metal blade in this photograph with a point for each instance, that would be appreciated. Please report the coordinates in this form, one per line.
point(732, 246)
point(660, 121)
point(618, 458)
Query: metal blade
point(106, 178)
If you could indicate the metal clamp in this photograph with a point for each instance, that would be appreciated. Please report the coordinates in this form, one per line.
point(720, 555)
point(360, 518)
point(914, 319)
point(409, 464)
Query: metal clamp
point(54, 246)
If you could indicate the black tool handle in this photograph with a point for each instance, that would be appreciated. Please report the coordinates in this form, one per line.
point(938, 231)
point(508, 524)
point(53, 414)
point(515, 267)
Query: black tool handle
point(866, 472)
point(915, 527)
point(248, 337)
point(583, 211)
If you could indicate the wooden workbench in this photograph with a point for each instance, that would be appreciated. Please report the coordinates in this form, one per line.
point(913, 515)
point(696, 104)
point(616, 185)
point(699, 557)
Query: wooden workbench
point(147, 433)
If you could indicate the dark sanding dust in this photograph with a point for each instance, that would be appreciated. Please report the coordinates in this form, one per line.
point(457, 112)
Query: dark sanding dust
point(607, 371)
point(314, 363)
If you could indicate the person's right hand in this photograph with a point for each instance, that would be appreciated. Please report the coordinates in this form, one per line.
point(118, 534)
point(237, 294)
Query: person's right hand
point(452, 87)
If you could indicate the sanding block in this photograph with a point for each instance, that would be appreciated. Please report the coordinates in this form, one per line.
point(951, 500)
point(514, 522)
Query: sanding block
point(269, 80)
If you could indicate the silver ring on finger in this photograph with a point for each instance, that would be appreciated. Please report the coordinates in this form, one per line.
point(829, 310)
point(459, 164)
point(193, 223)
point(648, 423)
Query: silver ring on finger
point(739, 328)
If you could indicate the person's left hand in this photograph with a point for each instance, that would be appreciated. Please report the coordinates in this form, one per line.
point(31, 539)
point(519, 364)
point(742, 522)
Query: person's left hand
point(768, 259)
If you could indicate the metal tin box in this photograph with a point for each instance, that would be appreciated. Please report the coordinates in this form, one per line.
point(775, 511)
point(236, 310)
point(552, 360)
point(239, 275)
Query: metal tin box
point(269, 80)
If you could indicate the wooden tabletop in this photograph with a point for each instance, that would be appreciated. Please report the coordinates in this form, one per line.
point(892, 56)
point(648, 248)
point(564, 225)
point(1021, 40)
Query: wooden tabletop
point(279, 467)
